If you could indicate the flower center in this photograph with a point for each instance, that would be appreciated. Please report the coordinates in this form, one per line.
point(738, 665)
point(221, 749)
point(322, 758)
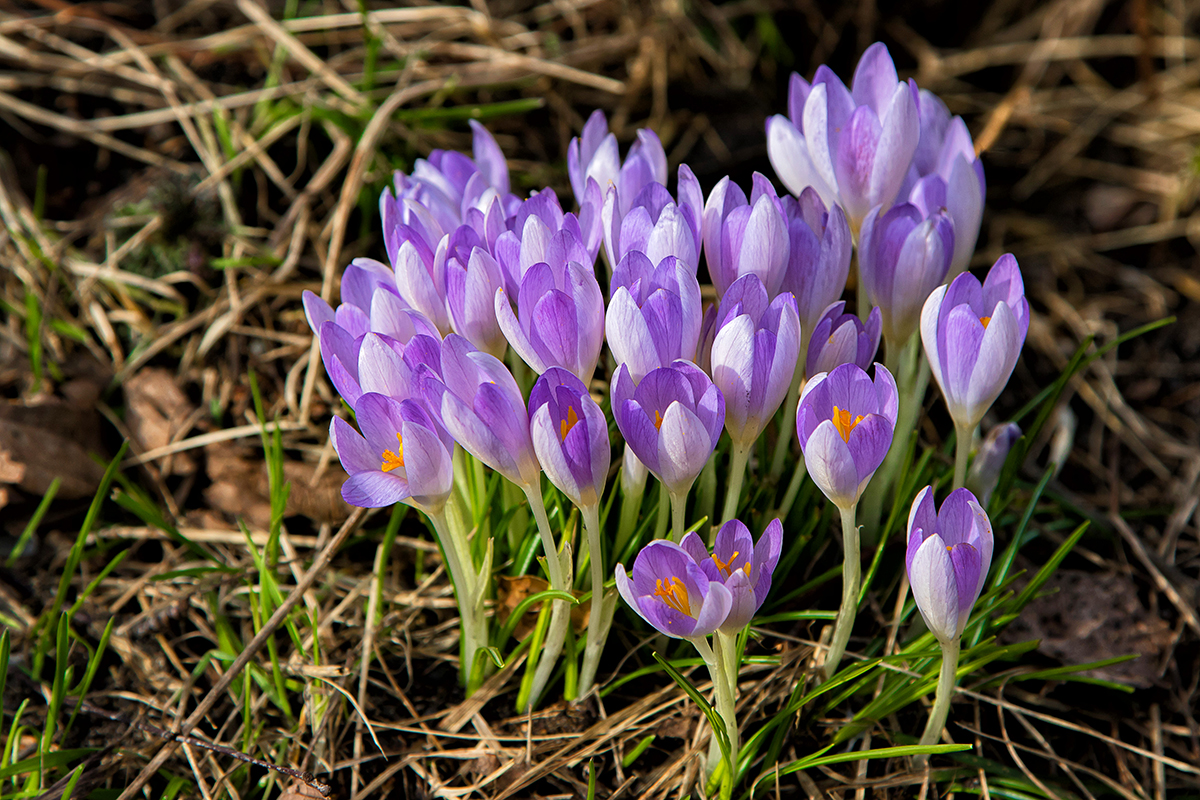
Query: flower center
point(395, 460)
point(564, 427)
point(727, 567)
point(985, 321)
point(843, 423)
point(658, 420)
point(674, 594)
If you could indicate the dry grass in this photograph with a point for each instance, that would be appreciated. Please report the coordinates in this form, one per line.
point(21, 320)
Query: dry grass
point(212, 130)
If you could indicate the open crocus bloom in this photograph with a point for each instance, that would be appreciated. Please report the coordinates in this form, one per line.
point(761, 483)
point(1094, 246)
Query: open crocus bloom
point(853, 146)
point(973, 334)
point(949, 552)
point(671, 420)
point(743, 566)
point(668, 589)
point(845, 424)
point(570, 436)
point(401, 455)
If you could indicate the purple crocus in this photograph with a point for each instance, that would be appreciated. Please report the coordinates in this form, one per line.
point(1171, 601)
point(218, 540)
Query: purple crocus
point(841, 338)
point(673, 593)
point(671, 420)
point(654, 223)
point(570, 436)
point(400, 456)
point(745, 237)
point(902, 257)
point(973, 334)
point(540, 231)
point(654, 313)
point(742, 565)
point(594, 156)
point(559, 320)
point(853, 146)
point(949, 552)
point(472, 277)
point(818, 255)
point(480, 404)
point(946, 173)
point(845, 425)
point(754, 356)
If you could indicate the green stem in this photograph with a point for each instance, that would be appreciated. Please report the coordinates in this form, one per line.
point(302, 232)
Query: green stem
point(560, 615)
point(851, 578)
point(787, 425)
point(793, 489)
point(678, 512)
point(467, 593)
point(633, 489)
point(941, 705)
point(962, 452)
point(737, 474)
point(601, 614)
point(724, 691)
point(664, 512)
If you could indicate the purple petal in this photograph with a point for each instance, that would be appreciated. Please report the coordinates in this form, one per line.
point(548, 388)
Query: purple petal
point(375, 489)
point(934, 588)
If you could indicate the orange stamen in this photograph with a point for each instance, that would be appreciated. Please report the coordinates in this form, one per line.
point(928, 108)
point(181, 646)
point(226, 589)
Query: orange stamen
point(674, 594)
point(724, 565)
point(565, 426)
point(843, 423)
point(658, 420)
point(392, 460)
point(985, 321)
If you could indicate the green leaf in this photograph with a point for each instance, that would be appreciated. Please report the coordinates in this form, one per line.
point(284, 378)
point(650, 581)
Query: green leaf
point(714, 719)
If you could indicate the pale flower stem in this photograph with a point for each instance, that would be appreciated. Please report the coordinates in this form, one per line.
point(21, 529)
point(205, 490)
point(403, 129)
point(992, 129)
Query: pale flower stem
point(851, 578)
point(911, 372)
point(738, 457)
point(941, 705)
point(963, 436)
point(664, 512)
point(631, 505)
point(597, 630)
point(678, 510)
point(723, 695)
point(560, 615)
point(473, 623)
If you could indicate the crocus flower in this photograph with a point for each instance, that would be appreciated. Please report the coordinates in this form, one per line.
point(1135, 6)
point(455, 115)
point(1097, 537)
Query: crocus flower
point(753, 358)
point(845, 424)
point(841, 338)
point(745, 237)
point(668, 589)
point(989, 461)
point(472, 277)
point(853, 146)
point(742, 565)
point(972, 335)
point(400, 456)
point(559, 320)
point(540, 231)
point(947, 174)
point(671, 420)
point(654, 223)
point(902, 257)
point(654, 314)
point(570, 436)
point(818, 255)
point(949, 552)
point(478, 401)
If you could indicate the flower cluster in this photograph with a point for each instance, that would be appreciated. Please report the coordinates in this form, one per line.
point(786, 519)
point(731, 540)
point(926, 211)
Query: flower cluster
point(477, 277)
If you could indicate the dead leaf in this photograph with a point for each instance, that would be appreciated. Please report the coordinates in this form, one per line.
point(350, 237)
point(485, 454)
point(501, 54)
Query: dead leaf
point(510, 592)
point(240, 487)
point(156, 411)
point(51, 440)
point(1091, 617)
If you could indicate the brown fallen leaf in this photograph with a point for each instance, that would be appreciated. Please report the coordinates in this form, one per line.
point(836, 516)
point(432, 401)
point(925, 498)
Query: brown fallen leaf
point(511, 591)
point(53, 439)
point(156, 411)
point(1091, 617)
point(240, 487)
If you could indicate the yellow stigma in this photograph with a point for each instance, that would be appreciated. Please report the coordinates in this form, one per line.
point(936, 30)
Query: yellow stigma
point(658, 420)
point(725, 567)
point(565, 426)
point(985, 321)
point(392, 460)
point(674, 594)
point(843, 423)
